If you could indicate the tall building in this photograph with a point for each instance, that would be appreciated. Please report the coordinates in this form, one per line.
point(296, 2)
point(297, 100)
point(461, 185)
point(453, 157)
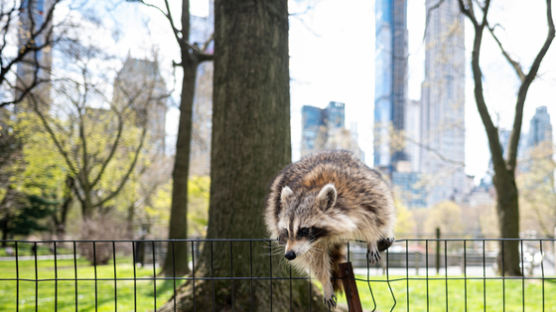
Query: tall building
point(32, 17)
point(311, 123)
point(320, 124)
point(412, 133)
point(324, 129)
point(390, 81)
point(538, 143)
point(335, 115)
point(442, 102)
point(540, 128)
point(135, 76)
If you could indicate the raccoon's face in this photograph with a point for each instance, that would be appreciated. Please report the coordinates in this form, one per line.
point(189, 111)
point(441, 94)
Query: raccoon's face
point(301, 225)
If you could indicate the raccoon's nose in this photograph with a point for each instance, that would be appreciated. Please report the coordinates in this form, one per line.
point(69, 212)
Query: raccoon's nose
point(290, 255)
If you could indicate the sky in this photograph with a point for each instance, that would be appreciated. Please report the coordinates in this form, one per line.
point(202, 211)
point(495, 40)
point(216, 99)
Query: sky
point(332, 59)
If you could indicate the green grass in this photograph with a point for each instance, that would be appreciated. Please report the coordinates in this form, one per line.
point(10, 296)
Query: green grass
point(27, 251)
point(164, 289)
point(456, 295)
point(85, 289)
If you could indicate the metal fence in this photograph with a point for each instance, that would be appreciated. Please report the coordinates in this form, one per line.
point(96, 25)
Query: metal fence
point(414, 274)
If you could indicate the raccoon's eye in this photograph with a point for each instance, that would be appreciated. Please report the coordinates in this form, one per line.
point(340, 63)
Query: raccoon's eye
point(283, 237)
point(303, 232)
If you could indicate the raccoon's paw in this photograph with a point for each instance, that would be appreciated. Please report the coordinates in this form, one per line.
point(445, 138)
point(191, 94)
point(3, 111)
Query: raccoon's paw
point(331, 301)
point(373, 256)
point(385, 243)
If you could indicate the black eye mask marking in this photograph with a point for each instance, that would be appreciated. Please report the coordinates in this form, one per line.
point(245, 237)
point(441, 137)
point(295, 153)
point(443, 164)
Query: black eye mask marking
point(316, 233)
point(283, 237)
point(303, 233)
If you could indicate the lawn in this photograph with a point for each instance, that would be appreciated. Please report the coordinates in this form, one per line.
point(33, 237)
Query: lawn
point(85, 289)
point(164, 289)
point(491, 299)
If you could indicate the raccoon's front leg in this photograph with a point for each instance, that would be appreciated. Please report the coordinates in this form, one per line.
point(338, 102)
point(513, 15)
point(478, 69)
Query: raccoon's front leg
point(323, 274)
point(373, 255)
point(385, 243)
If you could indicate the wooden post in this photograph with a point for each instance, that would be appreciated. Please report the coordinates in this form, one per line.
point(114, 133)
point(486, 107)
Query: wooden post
point(350, 287)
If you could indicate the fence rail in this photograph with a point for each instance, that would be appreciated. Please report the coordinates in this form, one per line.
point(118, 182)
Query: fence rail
point(415, 274)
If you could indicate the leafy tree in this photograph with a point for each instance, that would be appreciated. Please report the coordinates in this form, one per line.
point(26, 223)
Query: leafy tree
point(10, 151)
point(25, 214)
point(536, 183)
point(142, 197)
point(38, 179)
point(445, 215)
point(45, 173)
point(99, 139)
point(405, 222)
point(197, 217)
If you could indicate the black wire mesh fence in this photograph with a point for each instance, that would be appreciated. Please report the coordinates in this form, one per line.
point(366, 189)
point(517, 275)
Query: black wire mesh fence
point(414, 274)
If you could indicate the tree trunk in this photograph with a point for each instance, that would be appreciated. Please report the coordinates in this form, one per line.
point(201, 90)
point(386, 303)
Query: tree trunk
point(507, 207)
point(60, 221)
point(250, 144)
point(86, 209)
point(129, 220)
point(180, 174)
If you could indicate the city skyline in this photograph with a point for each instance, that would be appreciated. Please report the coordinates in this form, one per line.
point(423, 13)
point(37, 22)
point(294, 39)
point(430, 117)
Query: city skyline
point(346, 50)
point(477, 154)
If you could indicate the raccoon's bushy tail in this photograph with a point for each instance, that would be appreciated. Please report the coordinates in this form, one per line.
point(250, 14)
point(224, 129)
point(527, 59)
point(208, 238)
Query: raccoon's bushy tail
point(337, 255)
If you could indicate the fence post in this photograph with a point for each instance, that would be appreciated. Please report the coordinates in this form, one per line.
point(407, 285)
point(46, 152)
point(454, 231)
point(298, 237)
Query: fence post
point(437, 254)
point(350, 287)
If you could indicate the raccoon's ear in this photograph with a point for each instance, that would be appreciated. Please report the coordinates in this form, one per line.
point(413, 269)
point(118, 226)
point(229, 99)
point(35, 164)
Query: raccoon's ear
point(285, 194)
point(327, 197)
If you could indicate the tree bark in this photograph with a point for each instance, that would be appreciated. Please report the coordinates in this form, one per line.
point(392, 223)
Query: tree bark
point(250, 144)
point(507, 208)
point(180, 174)
point(60, 219)
point(129, 220)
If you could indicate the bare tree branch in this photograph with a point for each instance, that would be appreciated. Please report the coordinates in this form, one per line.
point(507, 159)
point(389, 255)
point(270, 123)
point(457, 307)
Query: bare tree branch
point(126, 176)
point(515, 64)
point(178, 34)
point(207, 43)
point(434, 151)
point(131, 99)
point(522, 93)
point(52, 135)
point(467, 9)
point(491, 130)
point(28, 46)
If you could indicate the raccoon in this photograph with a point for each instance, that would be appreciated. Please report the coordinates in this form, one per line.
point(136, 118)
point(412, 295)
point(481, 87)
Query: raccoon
point(318, 203)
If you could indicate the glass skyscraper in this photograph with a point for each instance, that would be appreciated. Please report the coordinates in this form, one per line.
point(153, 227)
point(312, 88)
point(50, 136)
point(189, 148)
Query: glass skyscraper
point(390, 81)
